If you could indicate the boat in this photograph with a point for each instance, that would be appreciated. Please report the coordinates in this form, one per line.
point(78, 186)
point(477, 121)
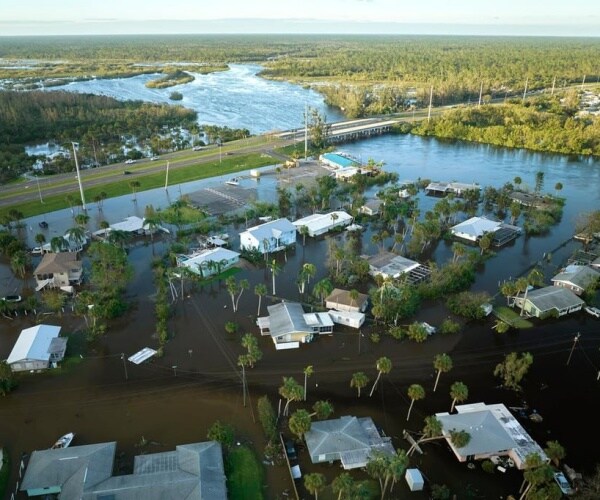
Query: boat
point(234, 181)
point(63, 441)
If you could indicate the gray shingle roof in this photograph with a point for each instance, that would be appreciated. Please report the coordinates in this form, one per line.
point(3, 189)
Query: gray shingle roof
point(286, 317)
point(580, 276)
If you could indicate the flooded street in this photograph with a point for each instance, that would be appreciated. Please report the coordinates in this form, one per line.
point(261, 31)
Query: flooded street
point(174, 399)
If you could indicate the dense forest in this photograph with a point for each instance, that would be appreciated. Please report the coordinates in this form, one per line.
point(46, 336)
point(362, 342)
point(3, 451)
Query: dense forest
point(94, 121)
point(540, 124)
point(362, 74)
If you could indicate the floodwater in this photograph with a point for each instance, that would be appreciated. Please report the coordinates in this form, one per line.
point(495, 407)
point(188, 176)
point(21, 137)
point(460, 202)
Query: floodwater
point(174, 399)
point(236, 98)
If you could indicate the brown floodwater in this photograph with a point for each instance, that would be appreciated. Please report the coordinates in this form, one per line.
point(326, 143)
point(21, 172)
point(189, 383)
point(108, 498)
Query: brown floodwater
point(174, 399)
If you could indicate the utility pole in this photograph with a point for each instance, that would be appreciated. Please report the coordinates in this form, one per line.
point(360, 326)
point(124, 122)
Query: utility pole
point(39, 190)
point(525, 91)
point(244, 383)
point(167, 176)
point(79, 178)
point(575, 340)
point(480, 94)
point(124, 365)
point(553, 85)
point(583, 82)
point(430, 102)
point(305, 131)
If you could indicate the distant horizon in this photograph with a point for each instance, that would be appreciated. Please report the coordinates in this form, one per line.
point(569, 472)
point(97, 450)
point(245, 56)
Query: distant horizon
point(292, 27)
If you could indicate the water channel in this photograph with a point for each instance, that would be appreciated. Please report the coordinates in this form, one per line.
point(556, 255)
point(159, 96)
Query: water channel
point(171, 406)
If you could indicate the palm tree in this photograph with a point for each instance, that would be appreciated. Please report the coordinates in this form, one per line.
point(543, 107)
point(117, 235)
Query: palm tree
point(76, 234)
point(322, 289)
point(243, 285)
point(517, 180)
point(397, 466)
point(442, 363)
point(58, 244)
point(353, 294)
point(343, 485)
point(431, 430)
point(303, 230)
point(458, 250)
point(291, 391)
point(232, 288)
point(536, 474)
point(415, 393)
point(299, 423)
point(82, 219)
point(384, 365)
point(40, 239)
point(308, 371)
point(359, 380)
point(515, 211)
point(118, 237)
point(555, 452)
point(459, 392)
point(18, 263)
point(260, 289)
point(534, 278)
point(134, 185)
point(314, 482)
point(322, 410)
point(558, 187)
point(275, 269)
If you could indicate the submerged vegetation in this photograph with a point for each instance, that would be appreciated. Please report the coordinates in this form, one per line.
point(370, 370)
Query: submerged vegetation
point(177, 77)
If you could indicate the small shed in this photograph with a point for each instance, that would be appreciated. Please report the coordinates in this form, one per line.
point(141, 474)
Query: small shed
point(415, 480)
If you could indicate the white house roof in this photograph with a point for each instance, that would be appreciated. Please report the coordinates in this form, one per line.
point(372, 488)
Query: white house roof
point(34, 343)
point(317, 222)
point(391, 264)
point(130, 224)
point(318, 319)
point(476, 227)
point(272, 229)
point(214, 254)
point(493, 429)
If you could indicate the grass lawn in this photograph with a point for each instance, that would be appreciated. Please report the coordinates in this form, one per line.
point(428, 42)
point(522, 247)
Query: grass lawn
point(150, 181)
point(245, 476)
point(511, 316)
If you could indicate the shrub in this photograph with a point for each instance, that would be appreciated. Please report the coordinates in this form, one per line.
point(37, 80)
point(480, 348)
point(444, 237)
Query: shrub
point(448, 326)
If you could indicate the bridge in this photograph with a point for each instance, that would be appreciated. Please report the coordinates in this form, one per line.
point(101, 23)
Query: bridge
point(347, 130)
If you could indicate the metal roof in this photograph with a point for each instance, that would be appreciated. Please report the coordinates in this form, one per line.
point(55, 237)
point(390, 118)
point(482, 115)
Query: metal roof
point(272, 229)
point(476, 227)
point(553, 297)
point(213, 254)
point(580, 276)
point(319, 222)
point(391, 264)
point(141, 356)
point(354, 439)
point(287, 317)
point(193, 471)
point(33, 343)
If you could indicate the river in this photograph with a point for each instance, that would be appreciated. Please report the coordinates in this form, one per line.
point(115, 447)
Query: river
point(237, 98)
point(170, 406)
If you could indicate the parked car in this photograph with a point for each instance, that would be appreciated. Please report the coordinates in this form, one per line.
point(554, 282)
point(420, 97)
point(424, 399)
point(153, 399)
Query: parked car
point(290, 449)
point(154, 158)
point(130, 161)
point(11, 298)
point(37, 251)
point(594, 311)
point(563, 484)
point(44, 224)
point(197, 148)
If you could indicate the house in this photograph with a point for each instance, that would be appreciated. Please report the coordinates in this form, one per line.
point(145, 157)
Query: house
point(389, 265)
point(342, 300)
point(318, 224)
point(349, 439)
point(576, 278)
point(549, 301)
point(209, 262)
point(58, 270)
point(494, 431)
point(36, 348)
point(347, 173)
point(352, 319)
point(192, 471)
point(269, 237)
point(132, 225)
point(71, 244)
point(371, 207)
point(474, 228)
point(444, 188)
point(288, 325)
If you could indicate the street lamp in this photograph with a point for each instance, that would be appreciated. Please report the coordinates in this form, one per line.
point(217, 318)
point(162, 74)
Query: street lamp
point(79, 178)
